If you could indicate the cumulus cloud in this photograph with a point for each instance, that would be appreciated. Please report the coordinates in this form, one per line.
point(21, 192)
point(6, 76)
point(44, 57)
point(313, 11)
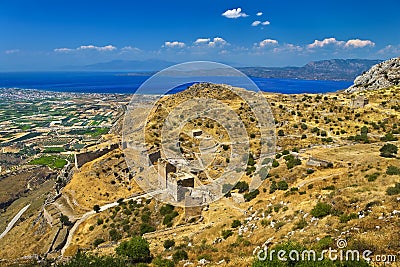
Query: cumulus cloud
point(234, 13)
point(288, 48)
point(267, 42)
point(174, 44)
point(12, 51)
point(257, 22)
point(352, 43)
point(357, 43)
point(259, 14)
point(217, 41)
point(202, 41)
point(64, 49)
point(97, 48)
point(325, 42)
point(87, 47)
point(211, 42)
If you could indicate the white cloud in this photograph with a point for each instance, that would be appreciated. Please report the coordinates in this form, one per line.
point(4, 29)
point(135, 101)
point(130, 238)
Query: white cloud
point(259, 14)
point(87, 47)
point(130, 49)
point(325, 42)
point(217, 41)
point(357, 43)
point(267, 42)
point(174, 44)
point(257, 22)
point(288, 48)
point(12, 51)
point(352, 43)
point(202, 40)
point(97, 48)
point(234, 13)
point(63, 49)
point(390, 50)
point(211, 42)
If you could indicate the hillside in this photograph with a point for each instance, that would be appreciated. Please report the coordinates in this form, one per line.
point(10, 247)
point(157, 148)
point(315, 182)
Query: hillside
point(382, 75)
point(333, 69)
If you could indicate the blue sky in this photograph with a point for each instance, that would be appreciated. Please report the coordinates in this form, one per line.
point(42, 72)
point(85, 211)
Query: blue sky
point(44, 34)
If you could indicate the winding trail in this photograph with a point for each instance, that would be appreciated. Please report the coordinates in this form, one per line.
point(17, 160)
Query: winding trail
point(14, 220)
point(85, 216)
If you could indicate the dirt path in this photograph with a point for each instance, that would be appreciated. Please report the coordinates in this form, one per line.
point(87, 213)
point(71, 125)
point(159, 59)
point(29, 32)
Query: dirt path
point(14, 220)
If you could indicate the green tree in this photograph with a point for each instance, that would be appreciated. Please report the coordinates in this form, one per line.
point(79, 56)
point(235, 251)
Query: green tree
point(388, 150)
point(169, 243)
point(321, 210)
point(136, 250)
point(96, 208)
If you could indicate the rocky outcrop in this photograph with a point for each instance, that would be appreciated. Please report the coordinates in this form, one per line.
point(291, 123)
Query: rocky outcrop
point(380, 76)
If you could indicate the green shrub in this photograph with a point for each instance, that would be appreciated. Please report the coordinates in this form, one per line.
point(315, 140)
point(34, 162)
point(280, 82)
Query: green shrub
point(300, 224)
point(136, 249)
point(160, 262)
point(236, 224)
point(321, 210)
point(226, 233)
point(344, 218)
point(251, 195)
point(393, 170)
point(98, 241)
point(180, 255)
point(282, 185)
point(169, 243)
point(275, 164)
point(146, 228)
point(388, 150)
point(114, 235)
point(372, 177)
point(242, 186)
point(393, 190)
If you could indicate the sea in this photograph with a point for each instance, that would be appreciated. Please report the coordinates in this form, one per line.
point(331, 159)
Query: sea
point(125, 83)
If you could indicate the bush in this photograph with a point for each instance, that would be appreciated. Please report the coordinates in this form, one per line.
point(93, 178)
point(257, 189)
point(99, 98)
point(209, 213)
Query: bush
point(170, 217)
point(146, 228)
point(310, 171)
point(388, 150)
point(275, 163)
point(344, 218)
point(226, 233)
point(372, 177)
point(236, 224)
point(393, 190)
point(242, 186)
point(169, 243)
point(100, 221)
point(300, 224)
point(166, 209)
point(89, 260)
point(180, 255)
point(282, 185)
point(389, 137)
point(273, 187)
point(393, 170)
point(96, 208)
point(291, 161)
point(160, 262)
point(114, 235)
point(98, 241)
point(321, 210)
point(136, 249)
point(251, 195)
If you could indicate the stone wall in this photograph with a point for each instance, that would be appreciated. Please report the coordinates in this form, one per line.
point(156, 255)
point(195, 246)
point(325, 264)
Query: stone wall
point(82, 158)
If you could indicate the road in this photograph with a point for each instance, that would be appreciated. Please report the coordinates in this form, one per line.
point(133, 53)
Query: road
point(92, 212)
point(14, 220)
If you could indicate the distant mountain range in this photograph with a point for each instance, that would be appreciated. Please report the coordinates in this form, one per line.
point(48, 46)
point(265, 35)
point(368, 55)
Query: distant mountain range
point(333, 69)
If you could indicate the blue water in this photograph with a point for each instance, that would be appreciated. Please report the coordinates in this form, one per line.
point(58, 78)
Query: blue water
point(112, 82)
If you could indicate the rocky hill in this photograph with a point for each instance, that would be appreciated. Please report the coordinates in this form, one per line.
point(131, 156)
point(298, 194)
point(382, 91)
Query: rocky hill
point(382, 75)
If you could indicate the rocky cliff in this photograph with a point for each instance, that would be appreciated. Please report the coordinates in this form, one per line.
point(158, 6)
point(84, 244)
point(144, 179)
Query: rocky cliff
point(382, 75)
